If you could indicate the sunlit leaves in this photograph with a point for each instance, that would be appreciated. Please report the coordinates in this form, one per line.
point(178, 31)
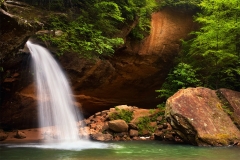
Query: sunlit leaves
point(182, 76)
point(217, 41)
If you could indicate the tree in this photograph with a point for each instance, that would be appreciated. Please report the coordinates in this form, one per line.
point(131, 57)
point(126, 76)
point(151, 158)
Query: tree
point(216, 45)
point(92, 30)
point(182, 76)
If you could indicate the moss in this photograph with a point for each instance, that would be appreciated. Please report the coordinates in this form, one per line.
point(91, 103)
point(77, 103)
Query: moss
point(144, 122)
point(225, 106)
point(221, 139)
point(123, 114)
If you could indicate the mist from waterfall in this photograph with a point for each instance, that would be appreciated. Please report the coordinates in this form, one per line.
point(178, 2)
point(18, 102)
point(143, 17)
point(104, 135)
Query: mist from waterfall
point(55, 101)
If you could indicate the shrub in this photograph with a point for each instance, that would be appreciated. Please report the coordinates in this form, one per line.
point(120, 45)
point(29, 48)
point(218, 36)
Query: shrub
point(182, 76)
point(123, 114)
point(144, 123)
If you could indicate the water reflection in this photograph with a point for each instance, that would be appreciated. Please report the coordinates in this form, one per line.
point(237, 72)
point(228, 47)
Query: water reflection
point(150, 150)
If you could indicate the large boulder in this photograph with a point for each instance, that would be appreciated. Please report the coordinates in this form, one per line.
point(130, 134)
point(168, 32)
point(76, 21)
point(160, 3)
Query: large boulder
point(198, 117)
point(118, 125)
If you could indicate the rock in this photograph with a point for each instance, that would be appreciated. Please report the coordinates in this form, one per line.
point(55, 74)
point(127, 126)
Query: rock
point(153, 124)
point(98, 114)
point(20, 135)
point(118, 125)
point(158, 135)
point(198, 117)
point(105, 112)
point(138, 113)
point(124, 107)
point(105, 127)
point(87, 121)
point(133, 133)
point(132, 126)
point(3, 135)
point(165, 125)
point(102, 137)
point(145, 132)
point(159, 118)
point(121, 134)
point(232, 101)
point(160, 127)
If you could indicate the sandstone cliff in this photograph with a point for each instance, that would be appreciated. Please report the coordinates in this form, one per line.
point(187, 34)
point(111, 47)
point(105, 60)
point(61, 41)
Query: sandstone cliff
point(130, 77)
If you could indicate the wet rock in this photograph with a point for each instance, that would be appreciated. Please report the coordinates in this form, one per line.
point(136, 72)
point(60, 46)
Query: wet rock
point(20, 135)
point(132, 126)
point(118, 125)
point(158, 135)
point(3, 135)
point(198, 117)
point(133, 133)
point(122, 134)
point(101, 137)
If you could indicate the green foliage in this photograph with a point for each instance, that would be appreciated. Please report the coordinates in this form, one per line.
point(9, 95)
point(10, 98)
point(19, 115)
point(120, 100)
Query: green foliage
point(92, 29)
point(81, 38)
point(158, 112)
point(141, 11)
point(144, 124)
point(216, 46)
point(183, 4)
point(123, 114)
point(161, 107)
point(182, 76)
point(227, 110)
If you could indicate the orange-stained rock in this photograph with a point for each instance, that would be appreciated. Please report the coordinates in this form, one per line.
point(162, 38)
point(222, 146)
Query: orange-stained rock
point(198, 117)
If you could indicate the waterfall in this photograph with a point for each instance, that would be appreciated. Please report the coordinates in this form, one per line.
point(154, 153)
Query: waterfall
point(55, 102)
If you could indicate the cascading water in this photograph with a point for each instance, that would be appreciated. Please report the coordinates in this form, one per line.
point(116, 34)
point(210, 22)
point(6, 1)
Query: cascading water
point(55, 102)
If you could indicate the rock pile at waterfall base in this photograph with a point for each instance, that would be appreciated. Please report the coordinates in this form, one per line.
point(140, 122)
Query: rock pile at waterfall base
point(145, 124)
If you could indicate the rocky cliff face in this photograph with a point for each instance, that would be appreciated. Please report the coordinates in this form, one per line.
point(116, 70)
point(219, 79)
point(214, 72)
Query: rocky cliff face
point(130, 77)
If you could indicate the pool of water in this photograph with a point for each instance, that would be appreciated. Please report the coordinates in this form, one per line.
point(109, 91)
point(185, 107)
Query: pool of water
point(132, 150)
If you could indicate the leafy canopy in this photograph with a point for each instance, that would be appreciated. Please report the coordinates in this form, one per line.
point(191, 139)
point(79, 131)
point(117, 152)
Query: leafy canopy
point(182, 76)
point(217, 43)
point(93, 28)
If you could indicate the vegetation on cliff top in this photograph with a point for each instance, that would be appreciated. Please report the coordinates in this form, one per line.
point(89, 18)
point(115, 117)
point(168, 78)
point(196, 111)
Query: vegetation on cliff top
point(93, 28)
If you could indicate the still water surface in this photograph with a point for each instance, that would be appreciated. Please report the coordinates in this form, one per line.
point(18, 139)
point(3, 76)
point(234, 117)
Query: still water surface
point(134, 150)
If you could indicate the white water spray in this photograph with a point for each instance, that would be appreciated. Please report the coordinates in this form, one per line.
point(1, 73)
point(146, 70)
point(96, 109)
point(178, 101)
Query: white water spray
point(55, 100)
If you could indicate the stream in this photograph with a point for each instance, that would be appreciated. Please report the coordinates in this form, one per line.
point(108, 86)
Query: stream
point(130, 150)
